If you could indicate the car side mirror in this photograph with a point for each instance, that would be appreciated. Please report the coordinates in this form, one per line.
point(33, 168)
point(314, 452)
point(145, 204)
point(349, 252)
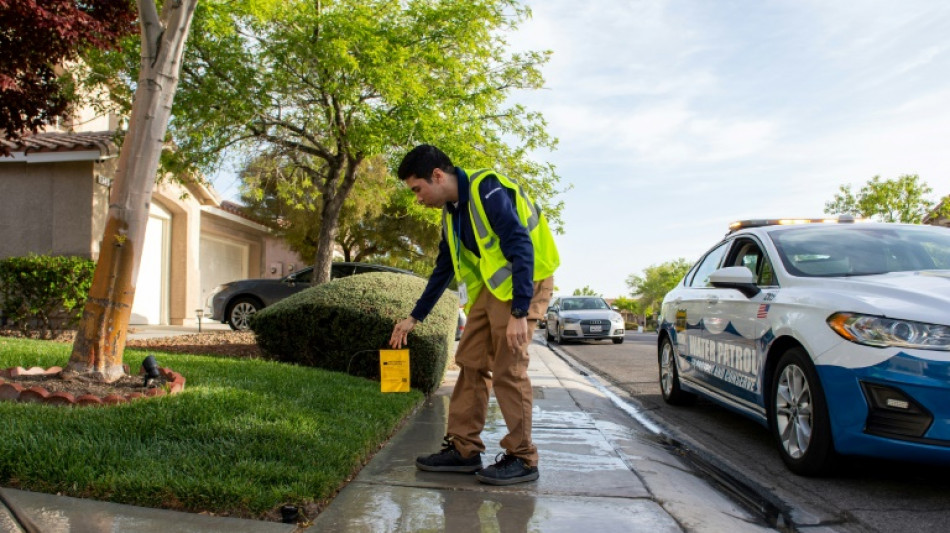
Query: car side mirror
point(735, 277)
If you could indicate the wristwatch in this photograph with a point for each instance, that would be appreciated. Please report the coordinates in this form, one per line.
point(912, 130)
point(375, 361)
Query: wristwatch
point(519, 313)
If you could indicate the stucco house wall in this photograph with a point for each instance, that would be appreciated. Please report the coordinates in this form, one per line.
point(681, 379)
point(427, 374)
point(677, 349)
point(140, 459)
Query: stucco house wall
point(47, 207)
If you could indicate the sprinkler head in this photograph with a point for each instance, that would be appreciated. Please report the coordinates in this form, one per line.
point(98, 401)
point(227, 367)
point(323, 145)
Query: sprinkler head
point(151, 371)
point(289, 514)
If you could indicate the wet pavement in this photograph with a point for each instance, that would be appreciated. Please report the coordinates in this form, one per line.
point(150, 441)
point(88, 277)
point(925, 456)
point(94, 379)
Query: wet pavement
point(603, 469)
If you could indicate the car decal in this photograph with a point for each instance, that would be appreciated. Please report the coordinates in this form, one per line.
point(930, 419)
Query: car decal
point(765, 341)
point(737, 365)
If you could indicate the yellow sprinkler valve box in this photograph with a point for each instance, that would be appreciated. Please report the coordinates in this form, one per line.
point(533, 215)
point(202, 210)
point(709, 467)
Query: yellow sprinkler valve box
point(394, 370)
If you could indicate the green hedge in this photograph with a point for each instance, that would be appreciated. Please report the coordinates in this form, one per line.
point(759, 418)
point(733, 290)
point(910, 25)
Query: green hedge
point(342, 324)
point(44, 291)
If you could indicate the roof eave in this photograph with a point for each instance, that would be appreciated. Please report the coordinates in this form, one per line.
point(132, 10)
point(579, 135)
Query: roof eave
point(57, 157)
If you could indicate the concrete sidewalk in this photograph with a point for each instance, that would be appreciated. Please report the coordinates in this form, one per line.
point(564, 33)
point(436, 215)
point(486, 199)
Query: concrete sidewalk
point(601, 471)
point(156, 332)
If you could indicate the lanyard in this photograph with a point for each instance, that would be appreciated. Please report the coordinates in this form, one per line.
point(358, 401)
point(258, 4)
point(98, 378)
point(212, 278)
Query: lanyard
point(456, 227)
point(458, 239)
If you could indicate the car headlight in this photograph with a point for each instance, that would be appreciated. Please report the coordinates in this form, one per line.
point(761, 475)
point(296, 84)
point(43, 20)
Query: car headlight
point(617, 319)
point(879, 331)
point(210, 298)
point(571, 320)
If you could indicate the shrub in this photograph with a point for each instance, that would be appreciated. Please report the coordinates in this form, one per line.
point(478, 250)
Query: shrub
point(342, 324)
point(44, 291)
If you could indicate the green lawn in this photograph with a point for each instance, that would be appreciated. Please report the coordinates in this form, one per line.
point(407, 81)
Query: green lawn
point(244, 438)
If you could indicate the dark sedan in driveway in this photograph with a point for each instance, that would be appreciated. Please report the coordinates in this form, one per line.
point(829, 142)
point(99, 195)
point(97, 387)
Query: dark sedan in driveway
point(234, 303)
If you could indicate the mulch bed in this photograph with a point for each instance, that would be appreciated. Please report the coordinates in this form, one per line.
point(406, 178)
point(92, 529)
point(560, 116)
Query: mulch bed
point(229, 344)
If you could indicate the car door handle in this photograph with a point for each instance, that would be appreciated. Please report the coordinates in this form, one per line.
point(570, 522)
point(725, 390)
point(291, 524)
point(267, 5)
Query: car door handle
point(712, 300)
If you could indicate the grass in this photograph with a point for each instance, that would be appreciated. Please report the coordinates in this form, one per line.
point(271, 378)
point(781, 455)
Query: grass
point(244, 438)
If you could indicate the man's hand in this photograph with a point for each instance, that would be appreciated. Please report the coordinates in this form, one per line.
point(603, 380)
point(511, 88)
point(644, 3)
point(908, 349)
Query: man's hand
point(400, 336)
point(517, 333)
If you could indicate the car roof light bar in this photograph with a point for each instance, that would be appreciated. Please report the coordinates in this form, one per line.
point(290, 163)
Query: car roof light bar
point(758, 223)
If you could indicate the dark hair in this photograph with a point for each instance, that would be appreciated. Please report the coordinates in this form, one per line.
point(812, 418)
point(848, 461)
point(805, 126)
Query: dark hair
point(422, 160)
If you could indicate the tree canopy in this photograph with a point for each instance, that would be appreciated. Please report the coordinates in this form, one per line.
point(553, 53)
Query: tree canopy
point(902, 199)
point(586, 291)
point(657, 280)
point(329, 85)
point(380, 222)
point(37, 37)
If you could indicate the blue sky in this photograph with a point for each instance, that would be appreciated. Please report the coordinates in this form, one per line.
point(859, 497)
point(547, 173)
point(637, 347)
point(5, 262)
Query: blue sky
point(677, 117)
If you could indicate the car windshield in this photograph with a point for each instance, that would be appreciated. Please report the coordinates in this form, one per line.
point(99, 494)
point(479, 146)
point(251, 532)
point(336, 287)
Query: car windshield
point(302, 276)
point(855, 250)
point(577, 304)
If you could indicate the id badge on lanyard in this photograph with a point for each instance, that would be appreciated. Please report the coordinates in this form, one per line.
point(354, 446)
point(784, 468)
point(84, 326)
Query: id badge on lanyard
point(463, 290)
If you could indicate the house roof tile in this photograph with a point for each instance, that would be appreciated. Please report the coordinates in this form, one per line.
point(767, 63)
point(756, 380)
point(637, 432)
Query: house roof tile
point(241, 211)
point(64, 142)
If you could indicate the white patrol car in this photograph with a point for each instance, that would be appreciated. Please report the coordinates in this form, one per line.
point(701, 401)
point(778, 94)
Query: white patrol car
point(836, 336)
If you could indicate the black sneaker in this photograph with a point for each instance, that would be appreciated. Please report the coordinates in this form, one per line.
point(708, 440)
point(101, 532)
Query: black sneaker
point(507, 470)
point(449, 460)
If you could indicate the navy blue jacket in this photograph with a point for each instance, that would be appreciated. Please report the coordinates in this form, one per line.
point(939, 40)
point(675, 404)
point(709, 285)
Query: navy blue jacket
point(499, 205)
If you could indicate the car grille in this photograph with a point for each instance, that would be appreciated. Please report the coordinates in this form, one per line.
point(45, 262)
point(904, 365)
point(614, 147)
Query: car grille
point(604, 327)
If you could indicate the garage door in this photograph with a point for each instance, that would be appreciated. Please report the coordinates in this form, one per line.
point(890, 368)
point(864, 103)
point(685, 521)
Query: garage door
point(151, 287)
point(221, 261)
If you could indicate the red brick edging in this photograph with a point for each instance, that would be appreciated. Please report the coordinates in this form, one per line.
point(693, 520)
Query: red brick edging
point(14, 392)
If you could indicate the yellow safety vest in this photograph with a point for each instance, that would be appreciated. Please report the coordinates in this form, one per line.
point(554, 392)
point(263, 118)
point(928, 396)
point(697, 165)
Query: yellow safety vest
point(492, 269)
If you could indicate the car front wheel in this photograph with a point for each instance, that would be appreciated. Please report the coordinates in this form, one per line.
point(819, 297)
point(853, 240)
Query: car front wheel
point(670, 377)
point(798, 417)
point(240, 312)
point(618, 340)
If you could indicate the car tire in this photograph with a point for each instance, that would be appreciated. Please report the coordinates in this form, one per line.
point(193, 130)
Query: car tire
point(547, 333)
point(670, 388)
point(618, 340)
point(240, 312)
point(798, 416)
point(558, 338)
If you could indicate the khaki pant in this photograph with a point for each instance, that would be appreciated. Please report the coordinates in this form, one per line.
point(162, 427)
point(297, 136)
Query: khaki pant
point(485, 362)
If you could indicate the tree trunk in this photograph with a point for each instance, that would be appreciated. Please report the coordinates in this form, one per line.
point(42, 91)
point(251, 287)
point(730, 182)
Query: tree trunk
point(329, 227)
point(333, 199)
point(100, 341)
